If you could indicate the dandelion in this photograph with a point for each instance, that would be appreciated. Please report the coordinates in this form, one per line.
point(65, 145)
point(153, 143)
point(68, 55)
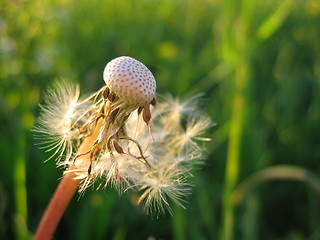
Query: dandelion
point(122, 135)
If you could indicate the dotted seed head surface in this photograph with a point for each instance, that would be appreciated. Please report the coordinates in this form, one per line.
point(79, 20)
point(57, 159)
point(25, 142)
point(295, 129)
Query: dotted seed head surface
point(130, 80)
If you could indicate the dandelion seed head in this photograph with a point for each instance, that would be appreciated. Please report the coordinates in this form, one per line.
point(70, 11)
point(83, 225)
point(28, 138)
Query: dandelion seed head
point(125, 151)
point(130, 80)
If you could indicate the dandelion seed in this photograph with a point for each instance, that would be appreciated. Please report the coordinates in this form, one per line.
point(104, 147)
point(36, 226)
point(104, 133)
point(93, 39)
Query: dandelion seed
point(187, 140)
point(173, 111)
point(55, 123)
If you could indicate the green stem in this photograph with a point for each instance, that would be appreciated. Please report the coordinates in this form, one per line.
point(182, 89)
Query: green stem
point(20, 192)
point(233, 154)
point(279, 172)
point(236, 47)
point(178, 223)
point(240, 65)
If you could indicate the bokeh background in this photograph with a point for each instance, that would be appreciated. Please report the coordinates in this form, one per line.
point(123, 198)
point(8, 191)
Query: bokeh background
point(257, 64)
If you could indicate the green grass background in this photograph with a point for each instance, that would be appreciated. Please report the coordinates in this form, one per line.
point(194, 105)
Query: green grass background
point(258, 65)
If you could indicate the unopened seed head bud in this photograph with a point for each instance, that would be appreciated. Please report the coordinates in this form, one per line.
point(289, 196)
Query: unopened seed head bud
point(130, 80)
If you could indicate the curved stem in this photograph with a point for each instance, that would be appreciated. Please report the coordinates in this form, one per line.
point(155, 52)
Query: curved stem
point(280, 172)
point(57, 206)
point(65, 191)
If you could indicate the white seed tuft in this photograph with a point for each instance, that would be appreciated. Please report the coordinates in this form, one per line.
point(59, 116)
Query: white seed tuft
point(130, 80)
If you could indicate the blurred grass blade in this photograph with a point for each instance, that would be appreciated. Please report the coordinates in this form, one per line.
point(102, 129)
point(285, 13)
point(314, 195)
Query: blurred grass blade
point(120, 233)
point(235, 44)
point(281, 172)
point(234, 147)
point(20, 191)
point(178, 223)
point(272, 23)
point(250, 219)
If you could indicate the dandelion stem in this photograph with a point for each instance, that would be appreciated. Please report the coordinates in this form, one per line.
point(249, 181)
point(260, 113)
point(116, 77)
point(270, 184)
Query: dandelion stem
point(64, 193)
point(57, 206)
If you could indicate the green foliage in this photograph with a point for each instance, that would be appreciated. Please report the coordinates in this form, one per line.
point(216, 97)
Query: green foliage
point(258, 64)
